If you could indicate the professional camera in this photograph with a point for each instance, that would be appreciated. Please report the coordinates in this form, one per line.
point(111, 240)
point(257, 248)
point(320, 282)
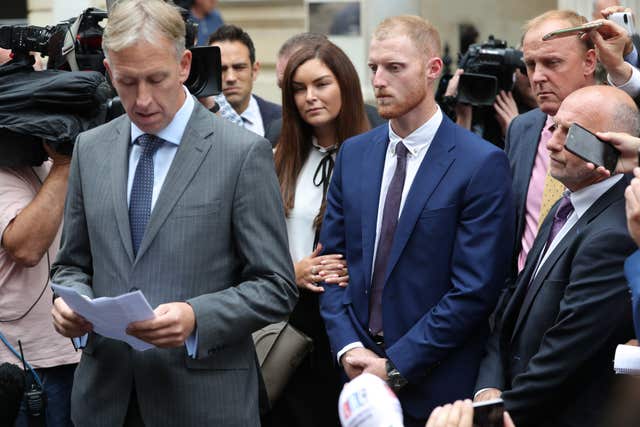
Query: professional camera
point(488, 68)
point(73, 94)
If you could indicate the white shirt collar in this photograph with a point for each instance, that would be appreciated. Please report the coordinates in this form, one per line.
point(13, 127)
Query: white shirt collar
point(175, 129)
point(584, 198)
point(314, 142)
point(420, 138)
point(252, 113)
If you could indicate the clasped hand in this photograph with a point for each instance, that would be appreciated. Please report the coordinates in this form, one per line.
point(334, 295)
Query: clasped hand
point(330, 268)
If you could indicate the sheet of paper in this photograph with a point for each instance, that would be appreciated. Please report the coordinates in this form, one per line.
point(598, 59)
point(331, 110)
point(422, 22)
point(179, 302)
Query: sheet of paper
point(110, 315)
point(627, 360)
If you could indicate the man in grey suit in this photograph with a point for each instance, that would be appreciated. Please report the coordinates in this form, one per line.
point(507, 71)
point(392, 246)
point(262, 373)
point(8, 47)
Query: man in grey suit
point(184, 206)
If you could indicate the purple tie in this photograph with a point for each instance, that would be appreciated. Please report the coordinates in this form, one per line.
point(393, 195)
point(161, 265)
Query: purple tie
point(560, 217)
point(387, 231)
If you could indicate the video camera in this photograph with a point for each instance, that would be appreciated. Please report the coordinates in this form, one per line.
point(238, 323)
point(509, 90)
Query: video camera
point(488, 68)
point(73, 94)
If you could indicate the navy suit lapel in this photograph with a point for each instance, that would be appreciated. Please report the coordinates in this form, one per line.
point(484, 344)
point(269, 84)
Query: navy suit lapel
point(193, 148)
point(435, 164)
point(372, 168)
point(121, 139)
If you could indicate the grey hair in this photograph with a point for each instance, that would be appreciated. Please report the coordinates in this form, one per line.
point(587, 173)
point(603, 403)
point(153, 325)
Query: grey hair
point(626, 119)
point(132, 21)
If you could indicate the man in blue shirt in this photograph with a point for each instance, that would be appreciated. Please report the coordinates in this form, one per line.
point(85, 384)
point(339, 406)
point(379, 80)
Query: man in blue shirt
point(208, 18)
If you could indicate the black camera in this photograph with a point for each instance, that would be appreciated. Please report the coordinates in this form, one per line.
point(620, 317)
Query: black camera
point(488, 68)
point(55, 105)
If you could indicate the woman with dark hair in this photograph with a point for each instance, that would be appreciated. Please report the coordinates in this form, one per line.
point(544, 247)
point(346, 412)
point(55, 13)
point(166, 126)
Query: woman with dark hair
point(321, 107)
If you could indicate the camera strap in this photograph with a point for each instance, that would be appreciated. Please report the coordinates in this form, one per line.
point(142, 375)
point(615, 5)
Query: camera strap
point(69, 46)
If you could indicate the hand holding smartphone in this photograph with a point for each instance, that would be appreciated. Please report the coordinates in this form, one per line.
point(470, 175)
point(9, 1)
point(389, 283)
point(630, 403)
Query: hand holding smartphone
point(590, 148)
point(489, 413)
point(572, 31)
point(625, 20)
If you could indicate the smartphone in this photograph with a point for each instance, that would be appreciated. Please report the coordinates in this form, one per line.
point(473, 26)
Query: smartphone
point(572, 31)
point(625, 20)
point(488, 413)
point(590, 148)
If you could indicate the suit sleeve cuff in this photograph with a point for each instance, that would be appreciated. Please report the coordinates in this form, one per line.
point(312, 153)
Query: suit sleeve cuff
point(348, 347)
point(192, 344)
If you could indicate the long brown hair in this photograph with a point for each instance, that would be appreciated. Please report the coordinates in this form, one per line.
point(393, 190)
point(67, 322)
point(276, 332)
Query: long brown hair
point(294, 143)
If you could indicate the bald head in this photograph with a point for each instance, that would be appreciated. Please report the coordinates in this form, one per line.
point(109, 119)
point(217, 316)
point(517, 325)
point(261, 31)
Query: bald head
point(598, 109)
point(603, 108)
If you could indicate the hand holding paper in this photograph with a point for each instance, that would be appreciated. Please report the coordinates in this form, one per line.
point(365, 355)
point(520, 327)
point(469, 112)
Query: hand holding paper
point(172, 325)
point(109, 317)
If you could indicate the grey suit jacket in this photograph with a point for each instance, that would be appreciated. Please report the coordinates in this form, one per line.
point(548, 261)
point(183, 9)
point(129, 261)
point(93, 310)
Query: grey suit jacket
point(216, 239)
point(521, 145)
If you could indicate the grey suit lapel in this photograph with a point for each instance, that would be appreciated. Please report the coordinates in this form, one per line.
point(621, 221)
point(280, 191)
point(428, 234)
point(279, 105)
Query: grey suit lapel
point(194, 146)
point(119, 172)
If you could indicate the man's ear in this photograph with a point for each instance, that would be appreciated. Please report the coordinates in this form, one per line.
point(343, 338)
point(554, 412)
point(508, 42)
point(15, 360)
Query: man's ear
point(185, 65)
point(255, 69)
point(590, 62)
point(108, 68)
point(434, 68)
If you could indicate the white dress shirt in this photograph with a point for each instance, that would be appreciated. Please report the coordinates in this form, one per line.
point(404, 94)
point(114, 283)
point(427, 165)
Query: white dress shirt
point(417, 144)
point(251, 117)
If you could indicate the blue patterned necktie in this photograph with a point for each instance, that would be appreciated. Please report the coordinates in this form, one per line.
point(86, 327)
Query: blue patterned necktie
point(387, 231)
point(142, 188)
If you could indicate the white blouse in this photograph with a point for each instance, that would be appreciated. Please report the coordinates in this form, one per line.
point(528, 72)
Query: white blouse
point(307, 202)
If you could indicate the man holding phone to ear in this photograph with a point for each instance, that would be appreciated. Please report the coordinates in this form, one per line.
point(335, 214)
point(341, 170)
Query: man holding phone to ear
point(549, 357)
point(555, 68)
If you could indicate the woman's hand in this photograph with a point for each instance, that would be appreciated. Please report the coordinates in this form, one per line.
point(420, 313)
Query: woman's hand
point(330, 268)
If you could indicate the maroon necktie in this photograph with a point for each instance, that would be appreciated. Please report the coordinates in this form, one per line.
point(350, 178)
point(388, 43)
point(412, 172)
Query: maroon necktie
point(560, 217)
point(387, 231)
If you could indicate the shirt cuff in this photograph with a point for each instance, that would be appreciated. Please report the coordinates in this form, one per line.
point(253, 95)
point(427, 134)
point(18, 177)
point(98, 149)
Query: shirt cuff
point(632, 57)
point(480, 391)
point(80, 342)
point(632, 86)
point(192, 344)
point(348, 347)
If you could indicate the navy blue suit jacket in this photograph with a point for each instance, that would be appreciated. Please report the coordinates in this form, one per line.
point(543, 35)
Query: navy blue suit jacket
point(269, 112)
point(447, 265)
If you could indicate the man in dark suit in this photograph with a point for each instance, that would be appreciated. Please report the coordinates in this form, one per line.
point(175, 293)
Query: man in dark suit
point(421, 209)
point(184, 206)
point(558, 326)
point(555, 68)
point(239, 70)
